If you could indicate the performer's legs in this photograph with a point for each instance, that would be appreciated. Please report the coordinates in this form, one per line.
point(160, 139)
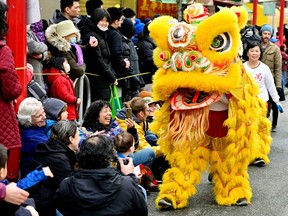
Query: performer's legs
point(179, 181)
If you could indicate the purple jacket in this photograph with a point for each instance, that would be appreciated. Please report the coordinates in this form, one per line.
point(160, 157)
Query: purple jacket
point(2, 191)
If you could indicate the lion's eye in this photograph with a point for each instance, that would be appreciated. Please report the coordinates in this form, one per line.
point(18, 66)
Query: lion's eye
point(221, 43)
point(178, 33)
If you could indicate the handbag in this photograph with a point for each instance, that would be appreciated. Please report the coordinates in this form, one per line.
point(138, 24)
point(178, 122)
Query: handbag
point(115, 102)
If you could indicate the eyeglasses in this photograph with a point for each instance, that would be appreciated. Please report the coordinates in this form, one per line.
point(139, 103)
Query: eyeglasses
point(41, 115)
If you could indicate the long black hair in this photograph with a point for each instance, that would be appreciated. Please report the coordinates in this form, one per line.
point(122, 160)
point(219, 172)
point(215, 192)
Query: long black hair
point(56, 62)
point(91, 117)
point(3, 20)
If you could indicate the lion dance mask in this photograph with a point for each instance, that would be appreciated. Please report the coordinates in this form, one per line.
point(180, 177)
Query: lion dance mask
point(211, 114)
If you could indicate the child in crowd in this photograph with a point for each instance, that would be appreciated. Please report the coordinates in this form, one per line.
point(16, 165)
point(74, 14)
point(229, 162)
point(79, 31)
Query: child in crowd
point(28, 207)
point(125, 146)
point(56, 110)
point(61, 86)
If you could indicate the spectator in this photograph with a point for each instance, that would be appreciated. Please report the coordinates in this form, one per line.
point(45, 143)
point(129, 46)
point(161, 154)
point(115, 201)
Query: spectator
point(37, 50)
point(99, 70)
point(114, 39)
point(98, 118)
point(59, 154)
point(133, 84)
point(130, 14)
point(140, 112)
point(70, 10)
point(90, 5)
point(99, 188)
point(61, 41)
point(32, 120)
point(10, 193)
point(10, 90)
point(61, 86)
point(272, 58)
point(264, 79)
point(145, 47)
point(56, 110)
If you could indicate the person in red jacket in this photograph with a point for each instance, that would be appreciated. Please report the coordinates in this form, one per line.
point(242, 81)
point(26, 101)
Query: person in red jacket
point(10, 90)
point(61, 86)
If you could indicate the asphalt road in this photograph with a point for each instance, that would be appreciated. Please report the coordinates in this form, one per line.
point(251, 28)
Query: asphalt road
point(269, 184)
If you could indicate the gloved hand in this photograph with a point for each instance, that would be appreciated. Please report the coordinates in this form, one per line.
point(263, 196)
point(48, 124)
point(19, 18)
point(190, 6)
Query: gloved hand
point(280, 108)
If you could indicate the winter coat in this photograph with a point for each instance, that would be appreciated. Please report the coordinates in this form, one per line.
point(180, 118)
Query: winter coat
point(36, 47)
point(145, 47)
point(284, 61)
point(272, 58)
point(98, 61)
point(61, 160)
point(114, 39)
point(10, 89)
point(61, 87)
point(121, 116)
point(101, 192)
point(58, 46)
point(30, 138)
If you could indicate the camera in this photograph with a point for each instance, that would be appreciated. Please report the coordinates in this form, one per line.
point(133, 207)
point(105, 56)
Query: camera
point(125, 161)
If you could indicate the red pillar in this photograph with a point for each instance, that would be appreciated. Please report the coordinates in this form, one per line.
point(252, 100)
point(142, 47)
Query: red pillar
point(16, 40)
point(281, 22)
point(255, 3)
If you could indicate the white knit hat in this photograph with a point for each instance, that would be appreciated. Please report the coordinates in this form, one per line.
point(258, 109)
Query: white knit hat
point(65, 28)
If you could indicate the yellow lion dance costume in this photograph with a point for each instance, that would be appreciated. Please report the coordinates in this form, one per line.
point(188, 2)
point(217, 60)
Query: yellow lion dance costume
point(205, 91)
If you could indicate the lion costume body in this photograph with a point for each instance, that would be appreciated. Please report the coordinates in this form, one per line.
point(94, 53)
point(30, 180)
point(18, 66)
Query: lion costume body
point(211, 113)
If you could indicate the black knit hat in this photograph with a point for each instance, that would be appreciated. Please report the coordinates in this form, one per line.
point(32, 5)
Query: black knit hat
point(127, 28)
point(115, 13)
point(91, 5)
point(129, 13)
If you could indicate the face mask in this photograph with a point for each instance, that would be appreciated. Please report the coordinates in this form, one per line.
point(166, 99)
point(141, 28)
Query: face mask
point(102, 28)
point(66, 68)
point(73, 40)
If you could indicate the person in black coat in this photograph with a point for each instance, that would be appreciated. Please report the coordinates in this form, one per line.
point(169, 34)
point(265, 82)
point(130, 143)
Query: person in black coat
point(98, 61)
point(59, 154)
point(145, 48)
point(134, 83)
point(99, 189)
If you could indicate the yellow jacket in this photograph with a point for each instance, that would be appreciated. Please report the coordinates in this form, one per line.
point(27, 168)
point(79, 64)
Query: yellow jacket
point(141, 136)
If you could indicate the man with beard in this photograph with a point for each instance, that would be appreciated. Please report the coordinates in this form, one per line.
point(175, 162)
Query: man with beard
point(272, 57)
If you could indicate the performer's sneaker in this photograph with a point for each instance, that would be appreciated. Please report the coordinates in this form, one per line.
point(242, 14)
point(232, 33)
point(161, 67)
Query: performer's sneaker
point(242, 202)
point(274, 129)
point(210, 177)
point(258, 162)
point(165, 203)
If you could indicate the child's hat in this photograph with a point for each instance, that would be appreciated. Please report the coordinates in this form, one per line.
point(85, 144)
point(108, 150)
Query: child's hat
point(53, 108)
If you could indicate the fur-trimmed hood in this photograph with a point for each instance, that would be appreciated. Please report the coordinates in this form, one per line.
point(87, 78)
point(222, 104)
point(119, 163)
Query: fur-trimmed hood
point(56, 40)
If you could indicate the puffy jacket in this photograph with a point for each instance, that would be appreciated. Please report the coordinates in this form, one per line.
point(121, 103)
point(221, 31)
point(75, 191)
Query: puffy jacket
point(10, 89)
point(61, 87)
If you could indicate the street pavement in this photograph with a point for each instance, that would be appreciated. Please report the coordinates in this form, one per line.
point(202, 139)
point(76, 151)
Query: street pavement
point(269, 185)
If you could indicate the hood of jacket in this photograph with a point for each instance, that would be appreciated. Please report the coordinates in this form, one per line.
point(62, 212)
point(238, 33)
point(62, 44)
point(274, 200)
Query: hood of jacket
point(56, 40)
point(51, 147)
point(85, 185)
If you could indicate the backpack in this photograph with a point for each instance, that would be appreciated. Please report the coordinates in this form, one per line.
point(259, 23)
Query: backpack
point(249, 34)
point(35, 90)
